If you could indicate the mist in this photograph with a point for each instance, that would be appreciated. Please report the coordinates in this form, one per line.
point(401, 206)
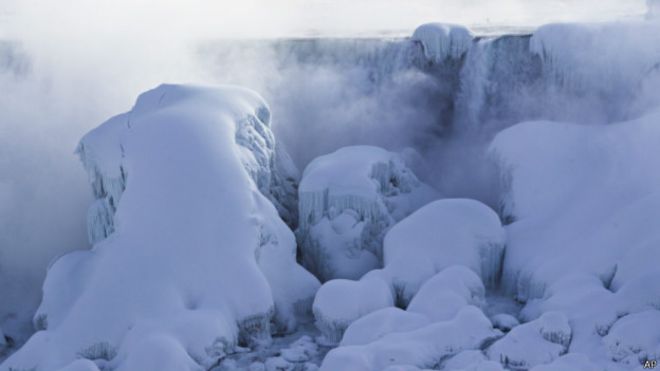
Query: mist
point(67, 66)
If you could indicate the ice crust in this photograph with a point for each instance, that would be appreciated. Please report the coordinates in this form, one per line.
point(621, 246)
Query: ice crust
point(347, 201)
point(443, 41)
point(184, 172)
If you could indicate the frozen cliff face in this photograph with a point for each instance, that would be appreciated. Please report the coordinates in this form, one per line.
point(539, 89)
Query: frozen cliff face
point(348, 201)
point(443, 41)
point(199, 260)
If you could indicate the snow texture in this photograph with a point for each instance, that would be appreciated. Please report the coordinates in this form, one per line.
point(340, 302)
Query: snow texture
point(379, 323)
point(443, 41)
point(183, 171)
point(348, 200)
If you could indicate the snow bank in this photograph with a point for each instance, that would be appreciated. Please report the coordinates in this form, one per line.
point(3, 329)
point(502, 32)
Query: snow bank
point(423, 348)
point(443, 41)
point(441, 234)
point(199, 260)
point(635, 338)
point(573, 362)
point(348, 200)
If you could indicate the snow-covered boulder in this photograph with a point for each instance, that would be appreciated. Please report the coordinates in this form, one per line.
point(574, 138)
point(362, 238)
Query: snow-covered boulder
point(635, 338)
point(347, 201)
point(199, 260)
point(423, 348)
point(446, 293)
point(533, 343)
point(504, 322)
point(441, 234)
point(339, 302)
point(442, 41)
point(377, 324)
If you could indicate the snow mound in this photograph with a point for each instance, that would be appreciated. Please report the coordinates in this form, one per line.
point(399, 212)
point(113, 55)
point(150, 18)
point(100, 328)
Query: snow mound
point(441, 234)
point(504, 322)
point(533, 343)
point(445, 294)
point(379, 323)
point(470, 360)
point(199, 260)
point(423, 348)
point(443, 41)
point(635, 338)
point(339, 302)
point(348, 200)
point(601, 203)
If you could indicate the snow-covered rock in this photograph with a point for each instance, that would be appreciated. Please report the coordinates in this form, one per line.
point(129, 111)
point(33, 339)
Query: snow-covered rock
point(339, 302)
point(423, 348)
point(533, 343)
point(199, 260)
point(443, 41)
point(348, 200)
point(504, 322)
point(441, 234)
point(635, 338)
point(445, 294)
point(377, 324)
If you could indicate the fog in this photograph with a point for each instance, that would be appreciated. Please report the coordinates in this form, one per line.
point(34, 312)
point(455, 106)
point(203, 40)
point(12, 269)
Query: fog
point(72, 64)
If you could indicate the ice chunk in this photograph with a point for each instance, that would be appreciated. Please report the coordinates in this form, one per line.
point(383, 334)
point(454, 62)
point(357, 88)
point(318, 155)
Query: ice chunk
point(422, 348)
point(379, 323)
point(348, 200)
point(533, 343)
point(339, 302)
point(442, 234)
point(161, 292)
point(443, 41)
point(446, 293)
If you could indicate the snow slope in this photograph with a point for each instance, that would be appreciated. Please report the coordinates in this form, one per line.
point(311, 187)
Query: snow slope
point(199, 260)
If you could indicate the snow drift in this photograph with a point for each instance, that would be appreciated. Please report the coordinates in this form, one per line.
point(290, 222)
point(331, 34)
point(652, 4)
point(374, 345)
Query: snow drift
point(198, 260)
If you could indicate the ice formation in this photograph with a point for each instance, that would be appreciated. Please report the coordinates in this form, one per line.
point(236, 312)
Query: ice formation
point(443, 41)
point(379, 323)
point(348, 201)
point(199, 260)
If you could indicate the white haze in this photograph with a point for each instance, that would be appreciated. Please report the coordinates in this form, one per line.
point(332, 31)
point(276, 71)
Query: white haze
point(89, 60)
